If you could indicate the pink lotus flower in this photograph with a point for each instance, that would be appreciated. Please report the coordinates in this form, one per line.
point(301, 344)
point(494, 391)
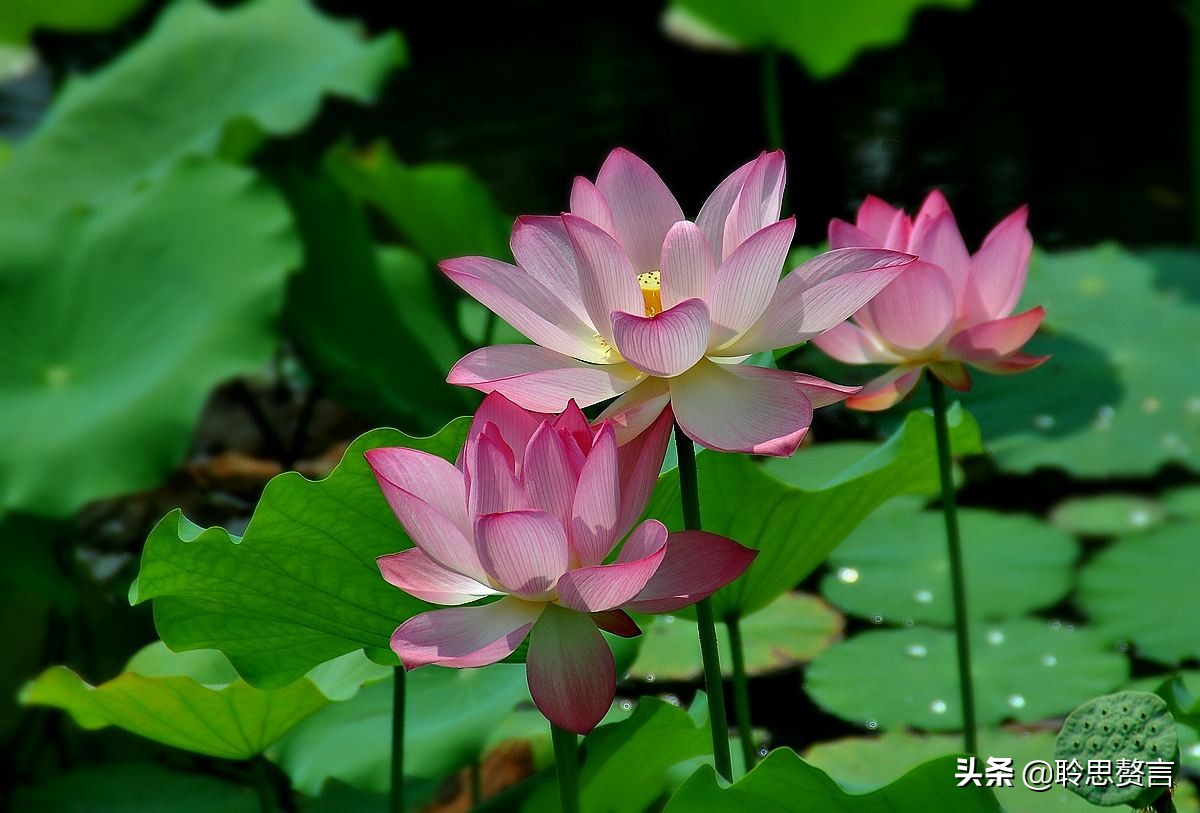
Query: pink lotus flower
point(950, 308)
point(532, 512)
point(624, 297)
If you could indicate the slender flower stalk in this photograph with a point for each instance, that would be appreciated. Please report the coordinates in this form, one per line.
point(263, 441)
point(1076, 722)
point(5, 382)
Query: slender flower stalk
point(689, 494)
point(566, 765)
point(397, 795)
point(741, 691)
point(958, 584)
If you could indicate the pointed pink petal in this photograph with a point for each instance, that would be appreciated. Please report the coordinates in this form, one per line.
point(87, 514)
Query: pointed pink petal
point(757, 204)
point(847, 235)
point(548, 474)
point(495, 486)
point(514, 425)
point(571, 672)
point(667, 343)
point(714, 212)
point(525, 551)
point(638, 463)
point(953, 374)
point(887, 389)
point(416, 574)
point(465, 636)
point(822, 393)
point(696, 565)
point(688, 264)
point(819, 295)
point(597, 500)
point(588, 203)
point(993, 341)
point(998, 269)
point(642, 207)
point(542, 248)
point(540, 379)
point(606, 277)
point(647, 539)
point(934, 205)
point(605, 587)
point(575, 424)
point(432, 531)
point(740, 408)
point(616, 622)
point(746, 281)
point(937, 241)
point(637, 409)
point(916, 310)
point(519, 299)
point(850, 344)
point(1010, 365)
point(425, 476)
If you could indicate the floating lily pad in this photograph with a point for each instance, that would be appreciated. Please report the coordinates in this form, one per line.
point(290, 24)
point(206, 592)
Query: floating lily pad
point(1025, 670)
point(784, 783)
point(894, 567)
point(790, 630)
point(316, 539)
point(1108, 514)
point(1141, 588)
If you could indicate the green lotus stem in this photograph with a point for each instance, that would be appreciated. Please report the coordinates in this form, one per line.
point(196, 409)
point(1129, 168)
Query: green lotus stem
point(772, 100)
point(397, 795)
point(689, 495)
point(566, 765)
point(741, 691)
point(262, 785)
point(957, 580)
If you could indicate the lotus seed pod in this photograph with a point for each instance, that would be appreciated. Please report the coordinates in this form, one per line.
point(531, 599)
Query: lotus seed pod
point(1122, 726)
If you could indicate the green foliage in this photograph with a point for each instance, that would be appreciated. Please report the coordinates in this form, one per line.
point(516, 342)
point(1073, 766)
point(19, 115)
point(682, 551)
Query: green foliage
point(791, 630)
point(784, 783)
point(1134, 589)
point(1122, 726)
point(21, 18)
point(1024, 670)
point(123, 321)
point(193, 701)
point(136, 787)
point(449, 716)
point(1108, 514)
point(824, 38)
point(894, 567)
point(795, 529)
point(300, 586)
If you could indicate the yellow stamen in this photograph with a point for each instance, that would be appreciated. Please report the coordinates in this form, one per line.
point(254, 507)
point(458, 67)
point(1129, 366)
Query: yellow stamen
point(650, 283)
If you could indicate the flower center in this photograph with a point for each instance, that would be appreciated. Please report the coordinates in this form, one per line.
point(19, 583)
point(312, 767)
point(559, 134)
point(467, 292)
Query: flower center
point(651, 285)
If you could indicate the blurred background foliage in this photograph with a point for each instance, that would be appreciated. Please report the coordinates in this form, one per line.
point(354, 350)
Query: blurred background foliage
point(219, 225)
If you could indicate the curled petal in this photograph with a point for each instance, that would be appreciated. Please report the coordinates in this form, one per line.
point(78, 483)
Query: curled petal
point(646, 540)
point(879, 220)
point(465, 636)
point(416, 574)
point(425, 476)
point(588, 203)
point(688, 264)
point(514, 425)
point(886, 390)
point(572, 676)
point(695, 566)
point(993, 341)
point(938, 241)
point(851, 344)
point(604, 587)
point(747, 279)
point(549, 474)
point(740, 408)
point(642, 207)
point(667, 343)
point(999, 268)
point(607, 280)
point(639, 462)
point(525, 551)
point(1010, 365)
point(539, 379)
point(597, 506)
point(715, 211)
point(495, 486)
point(541, 247)
point(758, 202)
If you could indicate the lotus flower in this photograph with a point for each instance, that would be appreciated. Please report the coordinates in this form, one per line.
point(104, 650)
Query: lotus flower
point(531, 513)
point(949, 309)
point(624, 297)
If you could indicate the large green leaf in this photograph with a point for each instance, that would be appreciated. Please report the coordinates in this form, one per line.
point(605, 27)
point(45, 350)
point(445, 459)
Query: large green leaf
point(136, 787)
point(352, 325)
point(824, 37)
point(200, 68)
point(21, 18)
point(784, 783)
point(441, 209)
point(1024, 670)
point(894, 567)
point(1114, 399)
point(449, 716)
point(1108, 514)
point(793, 629)
point(193, 701)
point(300, 586)
point(795, 529)
point(1142, 587)
point(120, 325)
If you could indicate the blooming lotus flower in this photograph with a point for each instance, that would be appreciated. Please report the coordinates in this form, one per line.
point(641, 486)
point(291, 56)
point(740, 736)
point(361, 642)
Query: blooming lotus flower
point(623, 296)
point(950, 308)
point(531, 513)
